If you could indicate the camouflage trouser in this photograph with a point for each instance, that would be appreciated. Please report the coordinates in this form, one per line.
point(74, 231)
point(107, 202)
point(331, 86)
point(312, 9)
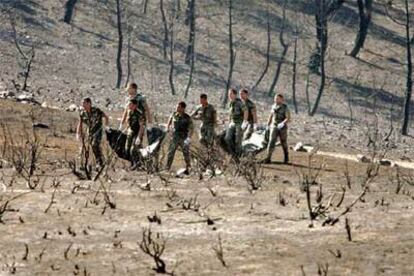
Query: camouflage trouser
point(176, 142)
point(207, 136)
point(247, 133)
point(130, 143)
point(94, 141)
point(274, 134)
point(233, 138)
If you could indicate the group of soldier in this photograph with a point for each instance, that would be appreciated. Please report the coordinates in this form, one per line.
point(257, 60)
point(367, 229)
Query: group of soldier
point(137, 118)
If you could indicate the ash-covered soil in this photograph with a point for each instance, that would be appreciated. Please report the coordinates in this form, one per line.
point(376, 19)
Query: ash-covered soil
point(71, 226)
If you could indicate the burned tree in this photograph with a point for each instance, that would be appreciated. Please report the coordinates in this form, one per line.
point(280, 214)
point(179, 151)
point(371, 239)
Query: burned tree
point(232, 54)
point(144, 6)
point(406, 23)
point(282, 57)
point(269, 42)
point(26, 57)
point(69, 8)
point(164, 22)
point(365, 10)
point(120, 43)
point(324, 10)
point(171, 51)
point(190, 21)
point(190, 54)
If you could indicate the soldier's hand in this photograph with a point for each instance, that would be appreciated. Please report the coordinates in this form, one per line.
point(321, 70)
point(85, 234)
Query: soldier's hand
point(281, 125)
point(187, 141)
point(245, 125)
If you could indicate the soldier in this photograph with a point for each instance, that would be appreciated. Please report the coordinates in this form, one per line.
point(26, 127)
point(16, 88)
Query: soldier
point(278, 124)
point(252, 117)
point(135, 119)
point(180, 126)
point(92, 118)
point(142, 107)
point(208, 116)
point(238, 116)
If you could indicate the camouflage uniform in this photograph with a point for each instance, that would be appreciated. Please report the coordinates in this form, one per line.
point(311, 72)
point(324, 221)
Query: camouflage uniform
point(182, 125)
point(250, 106)
point(134, 119)
point(280, 113)
point(207, 114)
point(93, 121)
point(141, 103)
point(234, 133)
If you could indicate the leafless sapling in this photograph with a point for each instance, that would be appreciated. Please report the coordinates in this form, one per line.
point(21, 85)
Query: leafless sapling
point(218, 249)
point(154, 247)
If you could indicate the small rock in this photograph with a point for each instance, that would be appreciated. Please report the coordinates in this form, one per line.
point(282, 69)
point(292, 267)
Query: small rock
point(27, 99)
point(386, 162)
point(45, 105)
point(40, 125)
point(299, 147)
point(6, 94)
point(363, 159)
point(72, 108)
point(182, 172)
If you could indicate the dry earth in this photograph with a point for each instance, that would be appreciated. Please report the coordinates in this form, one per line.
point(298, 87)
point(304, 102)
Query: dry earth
point(263, 232)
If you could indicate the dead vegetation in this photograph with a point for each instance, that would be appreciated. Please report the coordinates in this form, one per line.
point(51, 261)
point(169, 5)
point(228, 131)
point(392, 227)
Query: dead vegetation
point(154, 247)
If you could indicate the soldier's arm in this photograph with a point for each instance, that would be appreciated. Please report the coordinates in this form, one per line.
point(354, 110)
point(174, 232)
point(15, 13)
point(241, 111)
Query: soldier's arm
point(148, 113)
point(124, 116)
point(106, 119)
point(195, 115)
point(141, 129)
point(79, 129)
point(269, 121)
point(169, 123)
point(245, 113)
point(288, 117)
point(190, 128)
point(215, 117)
point(254, 112)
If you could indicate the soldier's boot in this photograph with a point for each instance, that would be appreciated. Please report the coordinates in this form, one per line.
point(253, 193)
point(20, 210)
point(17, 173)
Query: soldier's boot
point(286, 159)
point(267, 160)
point(285, 153)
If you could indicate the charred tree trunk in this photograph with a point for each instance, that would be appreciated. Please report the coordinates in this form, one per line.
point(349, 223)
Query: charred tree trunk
point(120, 44)
point(231, 53)
point(69, 8)
point(365, 10)
point(191, 22)
point(128, 61)
point(144, 6)
point(269, 42)
point(164, 22)
point(192, 55)
point(190, 78)
point(285, 48)
point(409, 84)
point(322, 35)
point(171, 74)
point(321, 25)
point(294, 73)
point(28, 68)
